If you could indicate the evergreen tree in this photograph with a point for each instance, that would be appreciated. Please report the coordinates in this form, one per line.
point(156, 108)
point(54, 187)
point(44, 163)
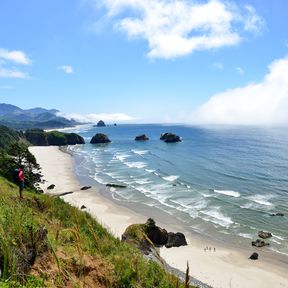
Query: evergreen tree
point(17, 154)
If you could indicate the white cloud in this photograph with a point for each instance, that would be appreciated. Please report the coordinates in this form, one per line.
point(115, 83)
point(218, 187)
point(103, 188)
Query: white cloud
point(253, 22)
point(176, 28)
point(264, 103)
point(240, 70)
point(12, 73)
point(6, 87)
point(94, 118)
point(218, 65)
point(66, 69)
point(15, 56)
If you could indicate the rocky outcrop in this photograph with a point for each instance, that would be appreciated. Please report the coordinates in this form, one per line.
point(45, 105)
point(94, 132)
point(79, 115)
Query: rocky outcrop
point(170, 138)
point(277, 214)
point(142, 137)
point(39, 137)
point(260, 243)
point(264, 235)
point(157, 235)
point(175, 240)
point(254, 256)
point(100, 138)
point(50, 187)
point(145, 236)
point(100, 123)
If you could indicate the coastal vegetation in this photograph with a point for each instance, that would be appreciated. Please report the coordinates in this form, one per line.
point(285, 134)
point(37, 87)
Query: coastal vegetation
point(8, 136)
point(45, 242)
point(16, 154)
point(39, 137)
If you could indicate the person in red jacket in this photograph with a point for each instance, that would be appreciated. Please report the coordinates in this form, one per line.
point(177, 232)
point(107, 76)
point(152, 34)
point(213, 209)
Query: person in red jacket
point(21, 181)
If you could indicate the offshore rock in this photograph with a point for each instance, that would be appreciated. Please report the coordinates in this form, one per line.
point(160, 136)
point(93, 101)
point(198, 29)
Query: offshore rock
point(170, 138)
point(264, 235)
point(277, 214)
point(100, 138)
point(259, 243)
point(101, 123)
point(142, 137)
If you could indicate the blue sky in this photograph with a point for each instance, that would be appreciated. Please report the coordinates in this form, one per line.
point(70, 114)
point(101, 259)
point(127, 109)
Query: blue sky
point(215, 61)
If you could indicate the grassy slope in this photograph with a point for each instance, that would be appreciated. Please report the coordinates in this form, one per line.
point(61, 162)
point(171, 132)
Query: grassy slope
point(76, 252)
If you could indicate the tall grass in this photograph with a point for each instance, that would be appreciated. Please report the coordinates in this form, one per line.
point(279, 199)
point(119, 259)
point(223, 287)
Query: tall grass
point(73, 236)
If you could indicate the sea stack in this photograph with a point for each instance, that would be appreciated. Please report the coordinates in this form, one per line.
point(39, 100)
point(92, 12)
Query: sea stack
point(170, 138)
point(101, 123)
point(142, 137)
point(100, 138)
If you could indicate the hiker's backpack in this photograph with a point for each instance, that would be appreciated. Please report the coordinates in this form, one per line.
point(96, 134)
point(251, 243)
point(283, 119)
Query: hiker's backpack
point(16, 175)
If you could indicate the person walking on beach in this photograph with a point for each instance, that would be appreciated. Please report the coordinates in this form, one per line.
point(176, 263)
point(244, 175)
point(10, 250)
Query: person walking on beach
point(21, 178)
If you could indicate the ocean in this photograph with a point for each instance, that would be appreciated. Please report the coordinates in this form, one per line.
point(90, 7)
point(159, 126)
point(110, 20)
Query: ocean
point(222, 182)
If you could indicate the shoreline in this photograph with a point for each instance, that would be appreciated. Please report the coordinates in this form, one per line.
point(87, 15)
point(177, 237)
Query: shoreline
point(227, 267)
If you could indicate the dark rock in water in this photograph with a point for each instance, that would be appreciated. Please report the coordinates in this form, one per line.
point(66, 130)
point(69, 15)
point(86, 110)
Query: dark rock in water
point(100, 138)
point(83, 207)
point(101, 123)
point(85, 188)
point(115, 124)
point(254, 256)
point(142, 137)
point(170, 138)
point(260, 243)
point(116, 185)
point(50, 187)
point(277, 214)
point(264, 235)
point(175, 240)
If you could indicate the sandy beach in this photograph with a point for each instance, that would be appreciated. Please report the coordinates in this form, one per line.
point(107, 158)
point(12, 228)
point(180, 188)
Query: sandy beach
point(225, 267)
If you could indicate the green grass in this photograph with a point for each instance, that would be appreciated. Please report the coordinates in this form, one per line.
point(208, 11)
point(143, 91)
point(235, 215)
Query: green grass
point(45, 242)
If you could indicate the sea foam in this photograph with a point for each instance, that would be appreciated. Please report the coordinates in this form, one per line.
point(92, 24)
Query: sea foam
point(171, 178)
point(228, 193)
point(261, 199)
point(138, 165)
point(140, 152)
point(217, 217)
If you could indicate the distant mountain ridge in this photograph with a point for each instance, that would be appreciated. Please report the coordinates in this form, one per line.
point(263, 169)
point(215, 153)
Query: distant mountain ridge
point(15, 117)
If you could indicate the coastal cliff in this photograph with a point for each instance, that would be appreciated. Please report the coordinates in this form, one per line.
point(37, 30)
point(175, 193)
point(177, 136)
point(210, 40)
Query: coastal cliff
point(45, 242)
